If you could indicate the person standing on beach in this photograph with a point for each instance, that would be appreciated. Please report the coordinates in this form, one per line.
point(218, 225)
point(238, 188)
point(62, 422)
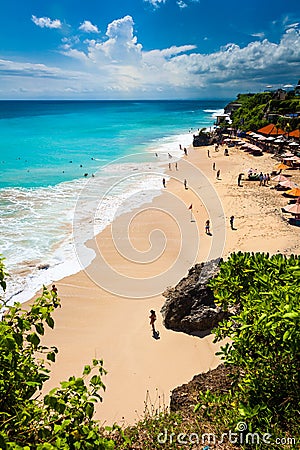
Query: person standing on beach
point(164, 182)
point(152, 318)
point(239, 179)
point(207, 227)
point(208, 153)
point(218, 174)
point(231, 222)
point(176, 166)
point(185, 184)
point(214, 166)
point(170, 166)
point(185, 151)
point(261, 178)
point(54, 290)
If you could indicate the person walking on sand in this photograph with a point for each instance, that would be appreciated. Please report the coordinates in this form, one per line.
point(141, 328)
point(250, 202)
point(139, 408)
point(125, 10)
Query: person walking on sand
point(214, 166)
point(185, 184)
point(218, 174)
point(208, 153)
point(164, 182)
point(207, 227)
point(176, 166)
point(240, 179)
point(152, 318)
point(54, 290)
point(170, 166)
point(231, 222)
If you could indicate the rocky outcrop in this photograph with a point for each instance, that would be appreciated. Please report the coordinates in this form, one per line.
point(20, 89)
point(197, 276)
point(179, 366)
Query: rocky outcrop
point(202, 139)
point(190, 305)
point(184, 398)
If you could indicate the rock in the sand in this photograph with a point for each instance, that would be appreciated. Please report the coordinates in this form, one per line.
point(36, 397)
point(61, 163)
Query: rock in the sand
point(190, 305)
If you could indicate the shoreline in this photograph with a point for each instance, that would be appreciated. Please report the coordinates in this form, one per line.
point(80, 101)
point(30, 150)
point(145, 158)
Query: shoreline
point(47, 270)
point(94, 323)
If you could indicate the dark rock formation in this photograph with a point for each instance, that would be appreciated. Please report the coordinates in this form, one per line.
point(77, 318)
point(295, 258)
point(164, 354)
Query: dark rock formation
point(202, 139)
point(190, 306)
point(184, 398)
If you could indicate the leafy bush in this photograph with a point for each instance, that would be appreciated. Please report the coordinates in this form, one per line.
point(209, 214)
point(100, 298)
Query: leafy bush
point(63, 419)
point(264, 352)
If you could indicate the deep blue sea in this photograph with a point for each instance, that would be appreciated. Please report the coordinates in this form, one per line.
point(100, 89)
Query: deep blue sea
point(50, 149)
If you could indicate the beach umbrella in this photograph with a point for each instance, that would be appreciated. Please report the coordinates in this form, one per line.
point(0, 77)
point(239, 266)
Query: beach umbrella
point(295, 133)
point(294, 208)
point(279, 140)
point(281, 166)
point(288, 184)
point(295, 192)
point(279, 177)
point(271, 129)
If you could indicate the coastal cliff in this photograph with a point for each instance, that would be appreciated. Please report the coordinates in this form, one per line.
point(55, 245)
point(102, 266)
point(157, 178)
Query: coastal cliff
point(190, 306)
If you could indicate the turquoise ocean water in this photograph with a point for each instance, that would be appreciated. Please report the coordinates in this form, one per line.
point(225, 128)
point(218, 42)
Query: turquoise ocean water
point(48, 151)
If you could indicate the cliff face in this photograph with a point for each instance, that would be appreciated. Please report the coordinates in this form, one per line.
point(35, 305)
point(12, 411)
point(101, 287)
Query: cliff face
point(190, 306)
point(184, 398)
point(202, 139)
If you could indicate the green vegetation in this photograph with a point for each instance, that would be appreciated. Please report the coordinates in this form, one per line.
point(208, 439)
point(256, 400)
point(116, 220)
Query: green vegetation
point(257, 110)
point(63, 418)
point(264, 353)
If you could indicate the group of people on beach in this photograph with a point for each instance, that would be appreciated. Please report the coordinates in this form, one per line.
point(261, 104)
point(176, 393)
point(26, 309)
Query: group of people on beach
point(264, 178)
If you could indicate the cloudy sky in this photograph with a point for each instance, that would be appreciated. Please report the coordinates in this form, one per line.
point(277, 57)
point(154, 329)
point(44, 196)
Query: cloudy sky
point(147, 49)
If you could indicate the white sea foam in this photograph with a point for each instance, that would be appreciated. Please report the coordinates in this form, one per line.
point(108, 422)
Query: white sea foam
point(37, 223)
point(214, 112)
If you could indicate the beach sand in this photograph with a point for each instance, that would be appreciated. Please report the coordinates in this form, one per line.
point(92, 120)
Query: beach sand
point(105, 309)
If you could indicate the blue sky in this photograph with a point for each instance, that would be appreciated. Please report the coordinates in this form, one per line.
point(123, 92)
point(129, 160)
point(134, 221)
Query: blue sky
point(147, 49)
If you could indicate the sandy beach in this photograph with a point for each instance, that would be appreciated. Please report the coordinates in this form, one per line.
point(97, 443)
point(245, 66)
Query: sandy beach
point(105, 308)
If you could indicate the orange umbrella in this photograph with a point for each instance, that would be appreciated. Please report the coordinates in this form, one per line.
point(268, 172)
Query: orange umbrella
point(295, 192)
point(295, 133)
point(281, 166)
point(271, 129)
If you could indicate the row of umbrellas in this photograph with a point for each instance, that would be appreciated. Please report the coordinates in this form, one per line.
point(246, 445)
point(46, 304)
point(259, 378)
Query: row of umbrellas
point(293, 191)
point(276, 138)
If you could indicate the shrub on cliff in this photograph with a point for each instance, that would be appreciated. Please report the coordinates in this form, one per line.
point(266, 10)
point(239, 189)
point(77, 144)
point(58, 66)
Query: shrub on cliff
point(63, 419)
point(265, 342)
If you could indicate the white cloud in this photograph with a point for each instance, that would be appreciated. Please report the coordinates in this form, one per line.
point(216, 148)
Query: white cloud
point(117, 66)
point(258, 35)
point(156, 3)
point(293, 25)
point(45, 22)
point(88, 27)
